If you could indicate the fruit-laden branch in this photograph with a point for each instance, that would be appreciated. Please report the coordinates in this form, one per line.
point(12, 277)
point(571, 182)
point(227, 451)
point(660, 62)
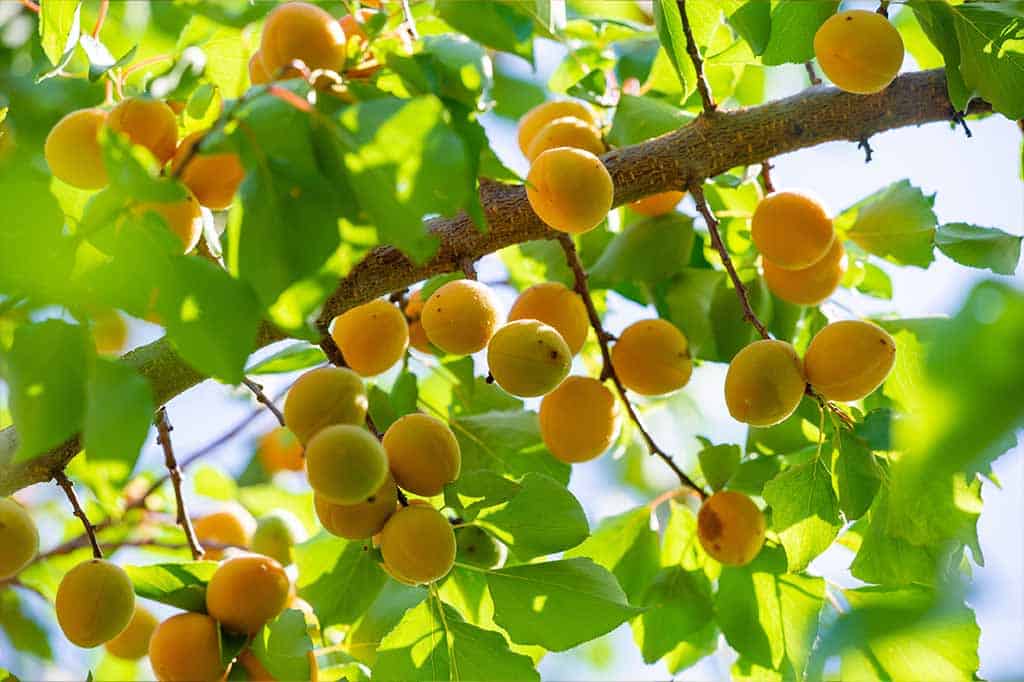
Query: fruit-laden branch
point(710, 145)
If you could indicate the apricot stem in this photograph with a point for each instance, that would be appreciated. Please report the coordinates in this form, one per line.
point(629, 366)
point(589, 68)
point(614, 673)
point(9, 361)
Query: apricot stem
point(69, 489)
point(698, 63)
point(766, 176)
point(163, 427)
point(812, 74)
point(101, 16)
point(261, 397)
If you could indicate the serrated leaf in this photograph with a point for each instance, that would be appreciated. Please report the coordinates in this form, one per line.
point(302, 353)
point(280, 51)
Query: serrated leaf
point(896, 223)
point(753, 22)
point(979, 247)
point(805, 511)
point(718, 463)
point(793, 25)
point(339, 578)
point(937, 22)
point(626, 546)
point(181, 585)
point(119, 414)
point(991, 39)
point(283, 646)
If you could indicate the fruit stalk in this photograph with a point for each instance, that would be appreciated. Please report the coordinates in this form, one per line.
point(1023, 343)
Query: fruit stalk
point(69, 489)
point(163, 427)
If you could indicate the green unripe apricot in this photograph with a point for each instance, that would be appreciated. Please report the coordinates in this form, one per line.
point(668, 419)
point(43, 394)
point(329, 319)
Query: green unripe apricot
point(346, 464)
point(19, 538)
point(476, 547)
point(276, 534)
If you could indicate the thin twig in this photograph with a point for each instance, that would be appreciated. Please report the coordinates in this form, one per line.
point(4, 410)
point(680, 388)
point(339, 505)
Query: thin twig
point(766, 177)
point(608, 371)
point(410, 20)
point(812, 74)
point(163, 427)
point(261, 397)
point(868, 151)
point(101, 17)
point(883, 8)
point(831, 407)
point(697, 192)
point(698, 63)
point(31, 6)
point(65, 483)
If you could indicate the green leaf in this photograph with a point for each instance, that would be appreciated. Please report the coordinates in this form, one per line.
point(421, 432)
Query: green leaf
point(504, 26)
point(506, 443)
point(119, 414)
point(291, 358)
point(805, 511)
point(558, 604)
point(678, 605)
point(857, 475)
point(283, 646)
point(626, 546)
point(641, 118)
point(181, 585)
point(718, 463)
point(992, 53)
point(937, 22)
point(793, 25)
point(875, 429)
point(60, 27)
point(896, 223)
point(134, 175)
point(22, 631)
point(450, 65)
point(381, 617)
point(753, 22)
point(669, 23)
point(645, 252)
point(100, 59)
point(686, 302)
point(339, 578)
point(433, 642)
point(979, 247)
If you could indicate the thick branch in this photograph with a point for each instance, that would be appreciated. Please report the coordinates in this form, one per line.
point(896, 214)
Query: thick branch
point(703, 149)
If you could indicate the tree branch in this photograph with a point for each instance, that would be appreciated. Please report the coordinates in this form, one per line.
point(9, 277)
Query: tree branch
point(69, 489)
point(261, 397)
point(163, 427)
point(707, 147)
point(698, 64)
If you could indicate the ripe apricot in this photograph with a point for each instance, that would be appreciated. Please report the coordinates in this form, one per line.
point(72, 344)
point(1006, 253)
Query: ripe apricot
point(109, 332)
point(276, 534)
point(258, 673)
point(544, 113)
point(476, 547)
point(567, 131)
point(792, 230)
point(765, 383)
point(186, 648)
point(372, 337)
point(231, 525)
point(461, 316)
point(346, 464)
point(19, 538)
point(258, 74)
point(422, 453)
point(352, 24)
point(859, 51)
point(417, 335)
point(809, 286)
point(554, 304)
point(304, 32)
point(73, 149)
point(184, 218)
point(579, 419)
point(246, 591)
point(657, 204)
point(652, 357)
point(133, 642)
point(528, 358)
point(570, 189)
point(148, 123)
point(213, 178)
point(280, 450)
point(731, 528)
point(324, 397)
point(848, 360)
point(95, 602)
point(358, 521)
point(418, 545)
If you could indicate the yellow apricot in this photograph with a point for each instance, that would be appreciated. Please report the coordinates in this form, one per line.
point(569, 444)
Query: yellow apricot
point(95, 602)
point(231, 525)
point(554, 304)
point(280, 450)
point(848, 360)
point(792, 230)
point(73, 149)
point(570, 189)
point(213, 178)
point(460, 317)
point(372, 337)
point(476, 547)
point(186, 648)
point(323, 397)
point(812, 285)
point(256, 672)
point(652, 357)
point(859, 51)
point(579, 419)
point(417, 335)
point(184, 218)
point(544, 113)
point(304, 32)
point(133, 642)
point(276, 534)
point(418, 545)
point(358, 521)
point(247, 591)
point(346, 464)
point(731, 528)
point(567, 131)
point(765, 383)
point(258, 74)
point(19, 538)
point(528, 358)
point(657, 204)
point(109, 332)
point(148, 123)
point(422, 453)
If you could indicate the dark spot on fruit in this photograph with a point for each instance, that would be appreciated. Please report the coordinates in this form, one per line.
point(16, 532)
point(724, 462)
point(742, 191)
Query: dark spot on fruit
point(849, 18)
point(554, 355)
point(708, 523)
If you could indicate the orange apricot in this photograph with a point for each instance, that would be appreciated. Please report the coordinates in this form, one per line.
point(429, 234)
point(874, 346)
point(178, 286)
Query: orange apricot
point(258, 74)
point(567, 131)
point(658, 204)
point(184, 218)
point(461, 316)
point(73, 149)
point(19, 538)
point(764, 383)
point(418, 545)
point(423, 454)
point(731, 528)
point(570, 189)
point(528, 358)
point(246, 592)
point(231, 525)
point(371, 337)
point(579, 419)
point(554, 304)
point(811, 285)
point(544, 113)
point(148, 123)
point(362, 520)
point(186, 648)
point(859, 51)
point(346, 464)
point(652, 357)
point(323, 397)
point(848, 360)
point(213, 178)
point(304, 32)
point(109, 332)
point(133, 642)
point(280, 450)
point(792, 230)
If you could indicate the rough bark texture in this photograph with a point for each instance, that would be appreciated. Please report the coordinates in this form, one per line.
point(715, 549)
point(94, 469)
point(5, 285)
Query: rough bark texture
point(710, 145)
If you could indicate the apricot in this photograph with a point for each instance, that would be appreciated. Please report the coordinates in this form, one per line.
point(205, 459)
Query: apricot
point(148, 123)
point(352, 24)
point(231, 526)
point(848, 360)
point(792, 230)
point(246, 591)
point(476, 547)
point(812, 285)
point(73, 149)
point(186, 648)
point(764, 383)
point(567, 131)
point(418, 545)
point(417, 335)
point(579, 419)
point(109, 332)
point(323, 397)
point(133, 642)
point(570, 189)
point(544, 113)
point(422, 453)
point(346, 464)
point(95, 602)
point(19, 538)
point(657, 204)
point(362, 520)
point(556, 305)
point(258, 673)
point(184, 218)
point(276, 534)
point(652, 357)
point(859, 51)
point(258, 74)
point(372, 337)
point(212, 178)
point(461, 316)
point(528, 358)
point(304, 32)
point(280, 450)
point(731, 528)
